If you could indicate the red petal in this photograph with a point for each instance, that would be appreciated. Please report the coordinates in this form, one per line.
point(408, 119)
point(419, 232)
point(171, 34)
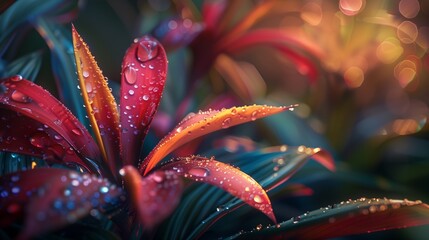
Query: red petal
point(99, 101)
point(33, 101)
point(155, 196)
point(196, 125)
point(276, 39)
point(144, 71)
point(212, 13)
point(50, 198)
point(226, 177)
point(24, 135)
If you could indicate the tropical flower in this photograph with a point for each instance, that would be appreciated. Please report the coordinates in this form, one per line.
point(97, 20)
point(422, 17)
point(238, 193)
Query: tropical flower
point(39, 125)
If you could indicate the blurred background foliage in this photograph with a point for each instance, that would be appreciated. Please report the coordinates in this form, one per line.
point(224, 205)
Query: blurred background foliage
point(367, 104)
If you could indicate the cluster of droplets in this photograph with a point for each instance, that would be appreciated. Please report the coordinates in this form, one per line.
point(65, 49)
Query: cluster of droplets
point(74, 196)
point(143, 85)
point(224, 176)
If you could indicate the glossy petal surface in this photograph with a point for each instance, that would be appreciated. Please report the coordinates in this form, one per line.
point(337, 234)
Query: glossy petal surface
point(24, 135)
point(346, 218)
point(201, 123)
point(144, 71)
point(226, 177)
point(99, 101)
point(48, 198)
point(31, 100)
point(155, 196)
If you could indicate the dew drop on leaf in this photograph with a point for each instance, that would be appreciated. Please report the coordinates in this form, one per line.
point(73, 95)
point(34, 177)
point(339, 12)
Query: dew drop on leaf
point(226, 123)
point(147, 50)
point(130, 75)
point(17, 96)
point(199, 172)
point(257, 199)
point(16, 78)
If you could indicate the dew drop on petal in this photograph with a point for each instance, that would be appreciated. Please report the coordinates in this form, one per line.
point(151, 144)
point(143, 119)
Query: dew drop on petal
point(130, 75)
point(147, 50)
point(257, 199)
point(226, 123)
point(85, 74)
point(145, 97)
point(131, 92)
point(199, 172)
point(76, 131)
point(18, 96)
point(16, 78)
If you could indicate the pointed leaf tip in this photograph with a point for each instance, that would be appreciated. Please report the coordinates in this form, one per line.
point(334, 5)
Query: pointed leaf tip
point(202, 123)
point(226, 177)
point(144, 71)
point(100, 104)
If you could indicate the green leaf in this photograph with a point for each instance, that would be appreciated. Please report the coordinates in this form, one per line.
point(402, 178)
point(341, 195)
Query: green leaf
point(346, 218)
point(204, 205)
point(27, 66)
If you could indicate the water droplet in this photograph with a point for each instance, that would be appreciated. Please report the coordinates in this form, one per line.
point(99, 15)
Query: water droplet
point(226, 123)
point(199, 172)
point(296, 219)
point(259, 227)
point(76, 131)
point(246, 189)
point(88, 87)
point(38, 141)
point(130, 74)
point(147, 49)
point(16, 78)
point(157, 177)
point(131, 92)
point(145, 97)
point(179, 129)
point(254, 115)
point(15, 190)
point(151, 67)
point(18, 96)
point(104, 189)
point(257, 199)
point(85, 74)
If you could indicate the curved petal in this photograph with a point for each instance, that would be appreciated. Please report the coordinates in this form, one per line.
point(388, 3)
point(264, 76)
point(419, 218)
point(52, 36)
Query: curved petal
point(154, 197)
point(21, 134)
point(224, 176)
point(33, 101)
point(278, 40)
point(144, 71)
point(201, 123)
point(347, 218)
point(99, 101)
point(50, 198)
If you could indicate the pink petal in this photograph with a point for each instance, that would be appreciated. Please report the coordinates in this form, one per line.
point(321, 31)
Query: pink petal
point(212, 12)
point(99, 101)
point(154, 197)
point(226, 177)
point(24, 135)
point(50, 198)
point(202, 123)
point(33, 101)
point(144, 71)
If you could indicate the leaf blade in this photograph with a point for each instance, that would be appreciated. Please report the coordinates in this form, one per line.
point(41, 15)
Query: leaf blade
point(144, 71)
point(226, 177)
point(347, 218)
point(196, 125)
point(99, 101)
